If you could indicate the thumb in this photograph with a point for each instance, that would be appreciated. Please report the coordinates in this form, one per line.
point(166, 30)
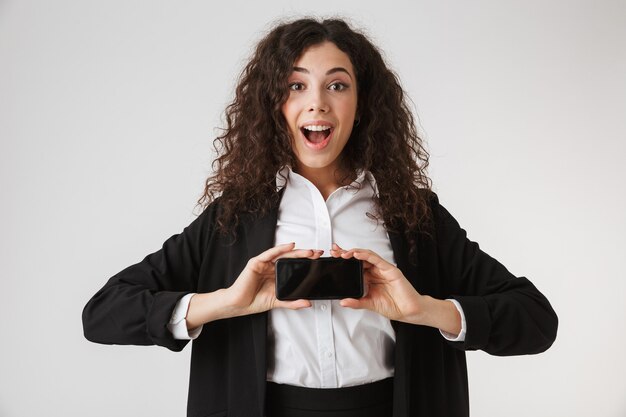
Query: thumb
point(292, 305)
point(355, 303)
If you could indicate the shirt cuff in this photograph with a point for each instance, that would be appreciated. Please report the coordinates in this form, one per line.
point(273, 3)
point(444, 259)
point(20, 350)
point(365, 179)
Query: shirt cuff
point(461, 336)
point(178, 323)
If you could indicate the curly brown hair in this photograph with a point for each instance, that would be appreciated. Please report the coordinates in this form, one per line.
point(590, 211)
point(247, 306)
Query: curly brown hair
point(256, 142)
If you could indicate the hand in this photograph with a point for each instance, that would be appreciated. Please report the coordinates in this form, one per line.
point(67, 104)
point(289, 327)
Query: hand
point(390, 294)
point(254, 291)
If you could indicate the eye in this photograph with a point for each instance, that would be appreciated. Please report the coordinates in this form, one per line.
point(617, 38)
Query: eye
point(337, 86)
point(296, 86)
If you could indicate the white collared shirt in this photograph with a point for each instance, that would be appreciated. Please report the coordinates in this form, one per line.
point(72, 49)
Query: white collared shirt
point(325, 346)
point(329, 346)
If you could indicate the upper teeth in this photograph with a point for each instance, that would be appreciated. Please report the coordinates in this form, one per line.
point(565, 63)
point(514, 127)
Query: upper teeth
point(317, 128)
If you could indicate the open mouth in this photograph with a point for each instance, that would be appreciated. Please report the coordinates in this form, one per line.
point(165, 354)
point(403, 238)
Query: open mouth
point(317, 136)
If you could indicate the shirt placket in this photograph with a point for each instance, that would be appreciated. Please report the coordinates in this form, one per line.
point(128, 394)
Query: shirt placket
point(323, 308)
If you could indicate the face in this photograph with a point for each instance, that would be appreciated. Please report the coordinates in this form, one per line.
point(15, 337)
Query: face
point(321, 107)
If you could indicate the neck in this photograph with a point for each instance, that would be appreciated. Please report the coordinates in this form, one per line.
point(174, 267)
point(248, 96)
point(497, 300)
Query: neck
point(326, 180)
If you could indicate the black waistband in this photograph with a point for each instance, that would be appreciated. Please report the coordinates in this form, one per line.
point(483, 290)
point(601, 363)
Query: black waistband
point(373, 399)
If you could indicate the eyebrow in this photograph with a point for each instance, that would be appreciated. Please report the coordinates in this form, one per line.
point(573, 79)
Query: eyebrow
point(330, 71)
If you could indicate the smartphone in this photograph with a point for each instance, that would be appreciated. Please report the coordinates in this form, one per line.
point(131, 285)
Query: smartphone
point(318, 279)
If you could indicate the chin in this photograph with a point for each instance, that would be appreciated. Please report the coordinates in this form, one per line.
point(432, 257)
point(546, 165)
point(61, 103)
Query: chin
point(314, 163)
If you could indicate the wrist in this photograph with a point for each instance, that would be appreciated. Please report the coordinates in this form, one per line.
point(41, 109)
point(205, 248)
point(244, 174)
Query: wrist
point(420, 312)
point(440, 314)
point(207, 307)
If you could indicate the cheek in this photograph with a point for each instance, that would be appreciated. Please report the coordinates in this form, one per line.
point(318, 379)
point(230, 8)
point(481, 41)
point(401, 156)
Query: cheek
point(347, 108)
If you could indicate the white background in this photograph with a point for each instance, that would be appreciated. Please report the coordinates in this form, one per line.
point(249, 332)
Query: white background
point(108, 110)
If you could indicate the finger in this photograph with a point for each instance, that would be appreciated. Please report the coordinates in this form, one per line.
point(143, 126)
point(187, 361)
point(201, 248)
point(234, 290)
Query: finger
point(337, 247)
point(275, 252)
point(317, 254)
point(301, 253)
point(336, 251)
point(370, 257)
point(350, 252)
point(347, 254)
point(356, 303)
point(292, 305)
point(268, 267)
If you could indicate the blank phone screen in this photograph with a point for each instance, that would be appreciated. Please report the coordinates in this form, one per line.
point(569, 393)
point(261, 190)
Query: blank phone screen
point(318, 279)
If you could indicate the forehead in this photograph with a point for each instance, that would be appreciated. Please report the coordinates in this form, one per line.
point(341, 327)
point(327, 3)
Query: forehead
point(324, 56)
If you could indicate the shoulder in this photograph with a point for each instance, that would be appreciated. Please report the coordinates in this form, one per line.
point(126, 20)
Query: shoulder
point(209, 211)
point(440, 221)
point(205, 222)
point(431, 198)
point(438, 211)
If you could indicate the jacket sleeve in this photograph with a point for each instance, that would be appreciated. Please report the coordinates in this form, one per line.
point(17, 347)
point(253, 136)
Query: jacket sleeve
point(505, 315)
point(135, 305)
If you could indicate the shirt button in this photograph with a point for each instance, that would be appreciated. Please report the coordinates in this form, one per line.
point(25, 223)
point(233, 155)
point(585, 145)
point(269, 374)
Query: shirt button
point(323, 307)
point(329, 354)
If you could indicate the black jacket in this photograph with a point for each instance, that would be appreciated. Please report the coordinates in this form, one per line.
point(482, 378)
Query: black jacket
point(505, 315)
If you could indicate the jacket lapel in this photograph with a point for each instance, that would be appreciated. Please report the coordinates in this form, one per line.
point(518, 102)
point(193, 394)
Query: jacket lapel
point(259, 235)
point(402, 363)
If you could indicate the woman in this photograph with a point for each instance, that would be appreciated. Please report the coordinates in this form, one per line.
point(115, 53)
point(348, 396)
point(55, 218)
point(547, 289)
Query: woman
point(320, 157)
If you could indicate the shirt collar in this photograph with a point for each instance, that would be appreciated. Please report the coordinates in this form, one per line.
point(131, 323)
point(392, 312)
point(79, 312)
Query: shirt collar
point(363, 176)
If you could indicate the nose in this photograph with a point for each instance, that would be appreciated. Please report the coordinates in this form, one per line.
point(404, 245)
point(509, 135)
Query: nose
point(318, 102)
